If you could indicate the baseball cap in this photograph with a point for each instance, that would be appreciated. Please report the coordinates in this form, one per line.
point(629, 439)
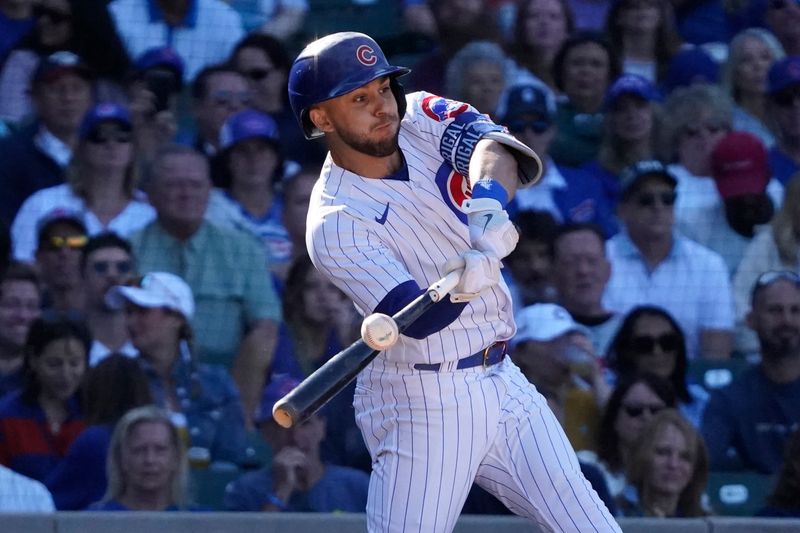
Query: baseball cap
point(161, 56)
point(156, 289)
point(58, 64)
point(634, 174)
point(739, 165)
point(528, 99)
point(56, 216)
point(279, 386)
point(543, 323)
point(103, 112)
point(246, 125)
point(784, 73)
point(630, 84)
point(690, 66)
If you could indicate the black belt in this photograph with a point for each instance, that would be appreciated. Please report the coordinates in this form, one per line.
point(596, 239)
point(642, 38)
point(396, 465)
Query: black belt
point(488, 357)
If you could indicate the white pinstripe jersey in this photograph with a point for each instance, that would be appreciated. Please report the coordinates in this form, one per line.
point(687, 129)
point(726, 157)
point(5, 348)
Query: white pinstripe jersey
point(422, 227)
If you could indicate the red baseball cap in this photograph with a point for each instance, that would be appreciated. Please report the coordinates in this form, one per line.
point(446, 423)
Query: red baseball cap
point(739, 165)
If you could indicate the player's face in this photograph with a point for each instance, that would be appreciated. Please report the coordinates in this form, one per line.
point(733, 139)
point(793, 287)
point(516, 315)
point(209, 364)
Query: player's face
point(365, 120)
point(149, 459)
point(637, 408)
point(776, 319)
point(19, 307)
point(671, 463)
point(581, 270)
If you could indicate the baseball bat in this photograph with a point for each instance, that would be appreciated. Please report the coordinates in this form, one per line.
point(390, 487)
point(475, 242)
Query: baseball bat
point(329, 379)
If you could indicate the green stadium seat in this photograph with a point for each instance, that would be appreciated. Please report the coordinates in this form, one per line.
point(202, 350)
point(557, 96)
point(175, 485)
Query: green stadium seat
point(738, 493)
point(208, 486)
point(713, 373)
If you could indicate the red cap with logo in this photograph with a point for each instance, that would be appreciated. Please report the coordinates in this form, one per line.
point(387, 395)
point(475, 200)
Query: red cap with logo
point(739, 165)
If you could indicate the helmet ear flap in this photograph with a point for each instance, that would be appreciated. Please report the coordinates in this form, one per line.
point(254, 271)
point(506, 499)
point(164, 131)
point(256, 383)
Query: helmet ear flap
point(399, 95)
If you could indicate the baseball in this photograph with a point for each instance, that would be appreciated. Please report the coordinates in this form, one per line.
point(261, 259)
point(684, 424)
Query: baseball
point(379, 331)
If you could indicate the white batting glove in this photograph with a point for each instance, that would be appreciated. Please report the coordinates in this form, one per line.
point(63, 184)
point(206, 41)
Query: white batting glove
point(490, 229)
point(481, 271)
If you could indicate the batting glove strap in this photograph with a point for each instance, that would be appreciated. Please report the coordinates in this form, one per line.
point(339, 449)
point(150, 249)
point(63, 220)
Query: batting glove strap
point(481, 271)
point(490, 229)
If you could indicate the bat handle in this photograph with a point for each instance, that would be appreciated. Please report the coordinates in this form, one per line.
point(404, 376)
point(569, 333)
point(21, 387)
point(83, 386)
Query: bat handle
point(284, 414)
point(441, 288)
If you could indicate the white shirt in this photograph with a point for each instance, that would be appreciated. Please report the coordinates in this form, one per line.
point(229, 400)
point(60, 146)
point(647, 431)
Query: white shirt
point(20, 494)
point(212, 30)
point(58, 150)
point(137, 214)
point(540, 198)
point(691, 283)
point(100, 351)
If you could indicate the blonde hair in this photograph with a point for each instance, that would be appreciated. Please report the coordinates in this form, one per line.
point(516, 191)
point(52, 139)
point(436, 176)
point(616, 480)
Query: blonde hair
point(116, 478)
point(736, 53)
point(786, 223)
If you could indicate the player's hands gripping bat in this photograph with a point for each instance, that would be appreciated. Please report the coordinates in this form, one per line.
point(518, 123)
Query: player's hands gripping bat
point(490, 229)
point(328, 380)
point(480, 271)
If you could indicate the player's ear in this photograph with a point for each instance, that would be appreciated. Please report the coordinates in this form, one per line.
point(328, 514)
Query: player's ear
point(320, 119)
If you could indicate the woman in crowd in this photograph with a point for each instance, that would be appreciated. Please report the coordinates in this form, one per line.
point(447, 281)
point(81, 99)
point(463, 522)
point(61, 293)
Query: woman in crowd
point(147, 466)
point(632, 404)
point(667, 470)
point(784, 501)
point(102, 183)
point(744, 77)
point(478, 74)
point(650, 340)
point(39, 422)
point(202, 399)
point(540, 29)
point(113, 387)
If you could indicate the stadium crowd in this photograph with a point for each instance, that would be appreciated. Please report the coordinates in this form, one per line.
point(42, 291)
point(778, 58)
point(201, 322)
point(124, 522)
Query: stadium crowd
point(156, 298)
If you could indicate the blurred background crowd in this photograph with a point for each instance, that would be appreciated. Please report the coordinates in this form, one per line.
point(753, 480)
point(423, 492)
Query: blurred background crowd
point(156, 298)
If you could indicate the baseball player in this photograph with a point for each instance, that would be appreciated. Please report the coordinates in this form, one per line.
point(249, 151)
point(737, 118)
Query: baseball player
point(414, 187)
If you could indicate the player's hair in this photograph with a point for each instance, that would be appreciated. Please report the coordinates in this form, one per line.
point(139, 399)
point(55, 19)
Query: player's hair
point(787, 489)
point(115, 386)
point(102, 241)
point(641, 457)
point(578, 39)
point(607, 437)
point(119, 439)
point(623, 360)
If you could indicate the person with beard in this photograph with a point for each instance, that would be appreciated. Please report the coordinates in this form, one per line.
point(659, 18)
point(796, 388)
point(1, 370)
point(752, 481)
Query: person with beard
point(747, 423)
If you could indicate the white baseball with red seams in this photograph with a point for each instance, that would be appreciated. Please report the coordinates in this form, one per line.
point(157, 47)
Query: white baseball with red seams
point(379, 331)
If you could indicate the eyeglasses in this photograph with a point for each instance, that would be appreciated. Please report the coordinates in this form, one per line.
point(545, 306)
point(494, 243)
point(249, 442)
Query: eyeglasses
point(520, 125)
point(258, 74)
point(55, 16)
point(635, 411)
point(101, 136)
point(649, 199)
point(229, 98)
point(73, 242)
point(645, 344)
point(786, 98)
point(103, 267)
point(693, 131)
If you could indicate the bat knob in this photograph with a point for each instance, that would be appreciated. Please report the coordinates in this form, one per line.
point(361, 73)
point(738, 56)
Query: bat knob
point(282, 414)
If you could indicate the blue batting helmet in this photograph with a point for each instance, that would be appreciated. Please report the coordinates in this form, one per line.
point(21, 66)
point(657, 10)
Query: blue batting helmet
point(335, 65)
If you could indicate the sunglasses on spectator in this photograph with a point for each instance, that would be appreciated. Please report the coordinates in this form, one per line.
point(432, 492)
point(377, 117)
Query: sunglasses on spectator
point(768, 278)
point(73, 242)
point(635, 411)
point(520, 125)
point(104, 267)
point(780, 4)
point(228, 98)
point(645, 344)
point(103, 136)
point(649, 199)
point(786, 98)
point(258, 74)
point(55, 16)
point(693, 131)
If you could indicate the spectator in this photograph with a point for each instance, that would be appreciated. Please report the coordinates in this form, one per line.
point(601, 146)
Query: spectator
point(689, 66)
point(478, 74)
point(667, 470)
point(40, 421)
point(644, 35)
point(747, 423)
point(651, 264)
point(278, 19)
point(529, 275)
point(237, 309)
point(113, 387)
point(250, 199)
point(23, 495)
point(297, 480)
point(568, 194)
point(102, 183)
point(784, 501)
point(751, 53)
point(629, 132)
point(783, 110)
point(159, 310)
point(203, 32)
point(37, 155)
point(20, 305)
point(782, 18)
point(147, 468)
point(16, 19)
point(632, 404)
point(649, 340)
point(265, 62)
point(554, 353)
point(296, 194)
point(540, 28)
point(106, 261)
point(61, 236)
point(581, 271)
point(582, 69)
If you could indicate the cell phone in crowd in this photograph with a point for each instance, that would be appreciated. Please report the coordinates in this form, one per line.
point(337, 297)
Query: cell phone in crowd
point(162, 84)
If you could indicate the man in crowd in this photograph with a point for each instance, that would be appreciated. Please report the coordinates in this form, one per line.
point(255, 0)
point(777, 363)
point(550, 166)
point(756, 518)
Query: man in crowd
point(20, 305)
point(61, 238)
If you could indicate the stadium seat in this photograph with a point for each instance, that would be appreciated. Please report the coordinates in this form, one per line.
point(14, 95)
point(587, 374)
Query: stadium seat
point(208, 486)
point(738, 493)
point(713, 373)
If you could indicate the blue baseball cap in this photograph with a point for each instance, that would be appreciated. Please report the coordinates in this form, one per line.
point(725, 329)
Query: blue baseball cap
point(104, 112)
point(630, 84)
point(278, 387)
point(162, 56)
point(690, 66)
point(533, 99)
point(634, 174)
point(784, 73)
point(246, 125)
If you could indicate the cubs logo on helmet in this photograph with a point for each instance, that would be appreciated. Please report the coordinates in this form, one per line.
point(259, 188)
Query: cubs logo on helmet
point(366, 55)
point(441, 109)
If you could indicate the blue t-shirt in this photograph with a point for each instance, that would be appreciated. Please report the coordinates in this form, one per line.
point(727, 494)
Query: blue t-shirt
point(11, 31)
point(782, 166)
point(114, 505)
point(80, 478)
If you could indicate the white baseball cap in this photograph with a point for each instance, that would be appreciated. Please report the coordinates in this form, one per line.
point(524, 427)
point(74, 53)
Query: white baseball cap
point(157, 289)
point(543, 323)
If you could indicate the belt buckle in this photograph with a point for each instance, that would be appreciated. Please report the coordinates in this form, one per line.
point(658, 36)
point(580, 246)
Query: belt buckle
point(486, 356)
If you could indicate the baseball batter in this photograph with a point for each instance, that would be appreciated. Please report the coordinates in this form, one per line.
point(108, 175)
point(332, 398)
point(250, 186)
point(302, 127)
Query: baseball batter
point(414, 187)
